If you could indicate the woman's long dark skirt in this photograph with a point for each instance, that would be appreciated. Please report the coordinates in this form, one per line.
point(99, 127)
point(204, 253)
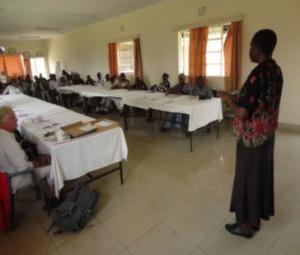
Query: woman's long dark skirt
point(253, 189)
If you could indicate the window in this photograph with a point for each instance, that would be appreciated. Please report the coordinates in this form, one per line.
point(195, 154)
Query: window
point(214, 50)
point(125, 54)
point(38, 66)
point(184, 42)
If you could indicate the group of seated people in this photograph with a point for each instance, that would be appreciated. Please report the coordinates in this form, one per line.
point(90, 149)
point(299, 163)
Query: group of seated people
point(49, 90)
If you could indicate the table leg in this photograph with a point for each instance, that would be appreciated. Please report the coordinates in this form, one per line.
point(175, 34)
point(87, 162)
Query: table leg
point(121, 172)
point(191, 141)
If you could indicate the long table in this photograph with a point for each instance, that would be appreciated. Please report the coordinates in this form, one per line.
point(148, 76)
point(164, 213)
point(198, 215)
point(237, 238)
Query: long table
point(200, 112)
point(76, 157)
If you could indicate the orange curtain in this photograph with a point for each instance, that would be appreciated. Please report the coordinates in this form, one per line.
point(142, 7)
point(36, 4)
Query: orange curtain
point(138, 66)
point(232, 56)
point(197, 53)
point(2, 66)
point(27, 66)
point(113, 59)
point(14, 65)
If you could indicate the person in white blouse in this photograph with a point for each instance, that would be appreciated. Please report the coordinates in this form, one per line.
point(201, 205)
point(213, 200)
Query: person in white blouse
point(100, 82)
point(13, 88)
point(12, 156)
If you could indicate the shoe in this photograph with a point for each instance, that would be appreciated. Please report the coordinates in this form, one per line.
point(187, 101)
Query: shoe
point(238, 230)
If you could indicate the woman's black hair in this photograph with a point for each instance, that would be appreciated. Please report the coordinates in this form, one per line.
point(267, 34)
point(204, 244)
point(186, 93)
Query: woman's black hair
point(266, 39)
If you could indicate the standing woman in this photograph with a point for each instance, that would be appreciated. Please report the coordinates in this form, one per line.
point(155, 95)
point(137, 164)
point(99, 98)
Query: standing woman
point(256, 114)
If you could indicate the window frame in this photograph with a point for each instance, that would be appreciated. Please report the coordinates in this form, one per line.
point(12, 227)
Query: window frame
point(183, 61)
point(35, 70)
point(132, 60)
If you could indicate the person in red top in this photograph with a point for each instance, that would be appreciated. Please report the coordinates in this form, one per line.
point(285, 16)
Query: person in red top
point(256, 112)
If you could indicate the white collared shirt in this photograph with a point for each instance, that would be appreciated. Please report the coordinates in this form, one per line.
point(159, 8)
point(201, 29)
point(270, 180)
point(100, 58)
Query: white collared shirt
point(12, 156)
point(10, 89)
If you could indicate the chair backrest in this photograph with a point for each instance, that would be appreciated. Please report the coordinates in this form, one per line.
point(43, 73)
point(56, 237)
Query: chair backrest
point(5, 202)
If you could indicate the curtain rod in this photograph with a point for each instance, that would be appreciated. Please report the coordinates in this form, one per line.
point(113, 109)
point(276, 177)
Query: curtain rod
point(124, 39)
point(208, 22)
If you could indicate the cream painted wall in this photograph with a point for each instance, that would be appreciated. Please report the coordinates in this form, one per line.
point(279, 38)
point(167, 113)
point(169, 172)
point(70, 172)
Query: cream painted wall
point(21, 46)
point(85, 50)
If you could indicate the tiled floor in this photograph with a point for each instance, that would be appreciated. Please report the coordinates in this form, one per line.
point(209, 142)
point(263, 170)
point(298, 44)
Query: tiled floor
point(173, 202)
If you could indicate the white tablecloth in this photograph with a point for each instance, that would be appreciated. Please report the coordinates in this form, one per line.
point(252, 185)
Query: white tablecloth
point(71, 159)
point(201, 112)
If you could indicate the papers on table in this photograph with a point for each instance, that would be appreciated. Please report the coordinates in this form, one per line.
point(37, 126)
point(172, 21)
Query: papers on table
point(88, 128)
point(103, 123)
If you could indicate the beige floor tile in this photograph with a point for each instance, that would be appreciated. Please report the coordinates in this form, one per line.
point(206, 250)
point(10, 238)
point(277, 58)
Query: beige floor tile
point(29, 239)
point(95, 240)
point(198, 251)
point(270, 230)
point(137, 185)
point(156, 176)
point(194, 222)
point(160, 202)
point(223, 243)
point(54, 253)
point(67, 236)
point(214, 198)
point(289, 239)
point(161, 240)
point(125, 252)
point(275, 251)
point(290, 165)
point(111, 203)
point(188, 184)
point(130, 224)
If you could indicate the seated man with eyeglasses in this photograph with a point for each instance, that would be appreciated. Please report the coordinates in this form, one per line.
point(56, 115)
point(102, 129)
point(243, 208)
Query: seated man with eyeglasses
point(13, 158)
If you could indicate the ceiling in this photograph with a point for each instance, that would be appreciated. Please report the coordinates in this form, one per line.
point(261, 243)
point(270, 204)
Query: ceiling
point(39, 19)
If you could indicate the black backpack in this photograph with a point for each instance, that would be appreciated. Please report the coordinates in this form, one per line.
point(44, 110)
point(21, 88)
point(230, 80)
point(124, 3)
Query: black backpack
point(75, 211)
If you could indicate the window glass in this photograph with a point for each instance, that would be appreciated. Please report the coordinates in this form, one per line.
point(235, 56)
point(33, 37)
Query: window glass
point(38, 66)
point(214, 50)
point(125, 53)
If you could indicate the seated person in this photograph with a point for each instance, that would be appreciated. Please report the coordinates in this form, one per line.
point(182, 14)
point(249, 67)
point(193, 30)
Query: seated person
point(37, 87)
point(175, 119)
point(67, 76)
point(13, 157)
point(76, 79)
point(27, 85)
point(13, 88)
point(66, 95)
point(165, 84)
point(45, 89)
point(182, 87)
point(89, 80)
point(3, 78)
point(100, 82)
point(109, 81)
point(201, 89)
point(106, 103)
point(53, 88)
point(139, 84)
point(122, 82)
